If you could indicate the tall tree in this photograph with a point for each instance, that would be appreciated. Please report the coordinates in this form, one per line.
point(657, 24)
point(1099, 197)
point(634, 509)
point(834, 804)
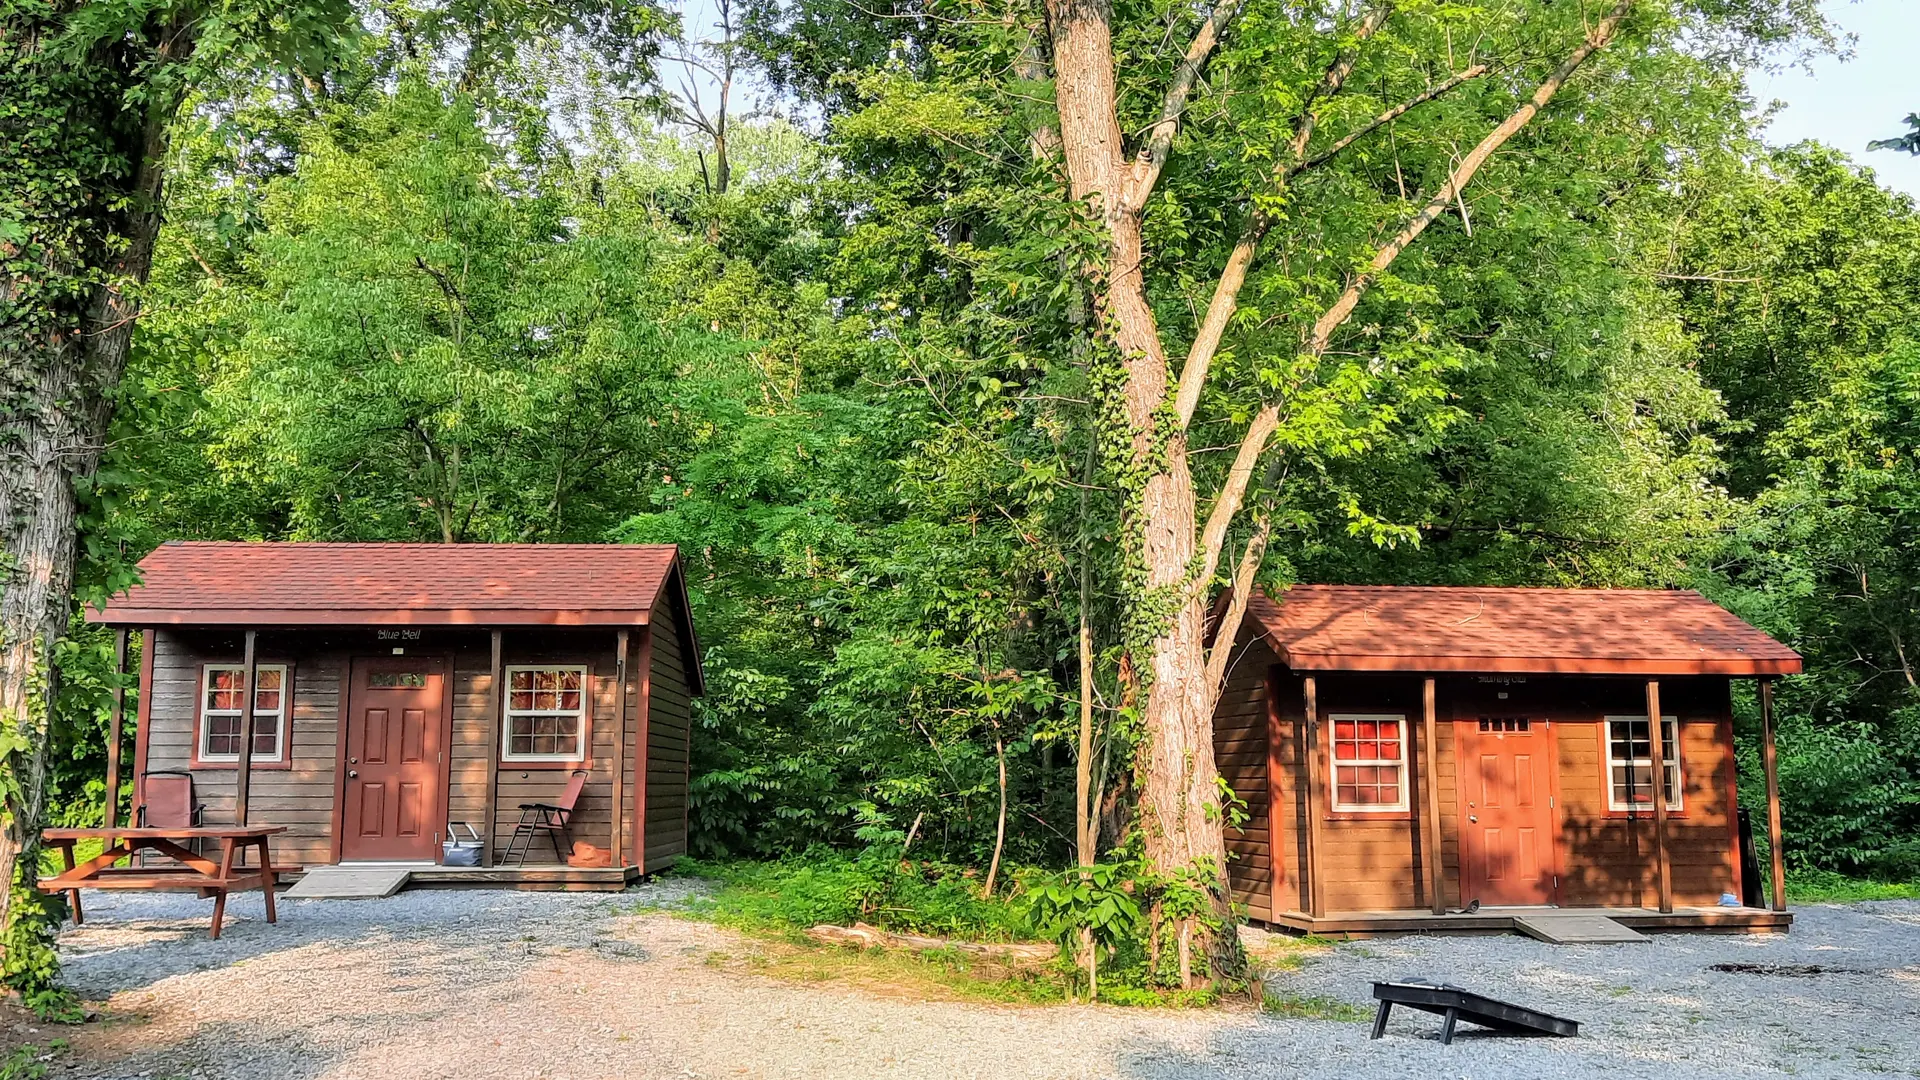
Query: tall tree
point(1180, 540)
point(92, 91)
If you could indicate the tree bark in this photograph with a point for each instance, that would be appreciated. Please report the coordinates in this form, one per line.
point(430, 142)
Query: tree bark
point(1175, 772)
point(67, 311)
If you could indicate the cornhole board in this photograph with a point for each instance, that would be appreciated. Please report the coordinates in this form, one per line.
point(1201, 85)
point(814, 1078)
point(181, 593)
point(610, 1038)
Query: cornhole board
point(1456, 1003)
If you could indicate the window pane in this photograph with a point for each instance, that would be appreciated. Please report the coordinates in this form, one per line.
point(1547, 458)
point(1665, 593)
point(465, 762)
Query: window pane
point(269, 678)
point(521, 680)
point(1345, 750)
point(265, 743)
point(1389, 750)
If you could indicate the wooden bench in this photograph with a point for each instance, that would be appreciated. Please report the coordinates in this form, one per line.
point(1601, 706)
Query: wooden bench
point(188, 871)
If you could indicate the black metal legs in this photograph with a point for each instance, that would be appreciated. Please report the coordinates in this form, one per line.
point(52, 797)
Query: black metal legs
point(1380, 1019)
point(535, 820)
point(1446, 1029)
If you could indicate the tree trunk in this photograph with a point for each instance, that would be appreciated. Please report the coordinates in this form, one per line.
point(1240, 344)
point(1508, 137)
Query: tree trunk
point(1000, 831)
point(1175, 772)
point(67, 311)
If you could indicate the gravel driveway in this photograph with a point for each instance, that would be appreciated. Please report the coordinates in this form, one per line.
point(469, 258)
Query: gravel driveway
point(551, 985)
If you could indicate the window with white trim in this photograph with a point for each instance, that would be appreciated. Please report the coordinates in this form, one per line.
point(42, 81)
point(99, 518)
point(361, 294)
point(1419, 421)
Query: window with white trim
point(1369, 762)
point(222, 699)
point(546, 714)
point(1630, 763)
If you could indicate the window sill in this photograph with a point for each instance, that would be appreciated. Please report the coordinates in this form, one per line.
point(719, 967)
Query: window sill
point(1369, 815)
point(234, 766)
point(1644, 815)
point(510, 765)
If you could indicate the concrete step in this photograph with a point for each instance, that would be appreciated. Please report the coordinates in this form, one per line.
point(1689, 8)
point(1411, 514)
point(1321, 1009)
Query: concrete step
point(350, 882)
point(1575, 928)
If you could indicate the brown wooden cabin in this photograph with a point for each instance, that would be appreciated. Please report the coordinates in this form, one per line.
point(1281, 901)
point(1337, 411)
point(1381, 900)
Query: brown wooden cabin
point(1405, 751)
point(379, 716)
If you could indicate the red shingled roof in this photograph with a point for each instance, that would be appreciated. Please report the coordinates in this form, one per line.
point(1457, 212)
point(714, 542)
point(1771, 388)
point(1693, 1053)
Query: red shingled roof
point(1570, 631)
point(215, 584)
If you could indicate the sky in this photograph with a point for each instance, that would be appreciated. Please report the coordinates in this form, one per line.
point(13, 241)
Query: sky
point(1848, 103)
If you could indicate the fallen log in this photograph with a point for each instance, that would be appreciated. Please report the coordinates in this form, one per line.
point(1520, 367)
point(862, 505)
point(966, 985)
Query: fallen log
point(862, 936)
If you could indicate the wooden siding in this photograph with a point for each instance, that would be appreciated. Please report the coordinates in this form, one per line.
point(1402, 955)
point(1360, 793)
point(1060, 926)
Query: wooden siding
point(1374, 862)
point(299, 796)
point(1240, 750)
point(669, 737)
point(302, 796)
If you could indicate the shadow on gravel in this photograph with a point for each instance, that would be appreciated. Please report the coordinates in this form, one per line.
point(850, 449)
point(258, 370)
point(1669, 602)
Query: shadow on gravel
point(222, 1049)
point(133, 942)
point(331, 973)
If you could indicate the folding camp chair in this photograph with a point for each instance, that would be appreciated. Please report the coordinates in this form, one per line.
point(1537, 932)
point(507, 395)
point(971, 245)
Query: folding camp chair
point(554, 819)
point(167, 803)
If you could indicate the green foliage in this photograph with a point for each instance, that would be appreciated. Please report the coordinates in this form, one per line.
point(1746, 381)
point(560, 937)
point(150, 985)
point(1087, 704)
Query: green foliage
point(1909, 142)
point(1828, 887)
point(1098, 899)
point(30, 966)
point(875, 886)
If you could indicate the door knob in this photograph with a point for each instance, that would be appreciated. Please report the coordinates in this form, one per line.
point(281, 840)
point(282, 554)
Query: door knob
point(351, 773)
point(353, 761)
point(1475, 818)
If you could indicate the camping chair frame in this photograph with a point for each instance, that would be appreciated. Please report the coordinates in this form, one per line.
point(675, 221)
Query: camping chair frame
point(196, 811)
point(555, 819)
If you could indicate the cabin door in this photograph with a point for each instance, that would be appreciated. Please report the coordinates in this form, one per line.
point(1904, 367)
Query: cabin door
point(391, 798)
point(1506, 812)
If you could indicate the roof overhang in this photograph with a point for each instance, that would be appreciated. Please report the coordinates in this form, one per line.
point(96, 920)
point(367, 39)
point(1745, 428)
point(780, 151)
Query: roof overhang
point(1533, 665)
point(129, 616)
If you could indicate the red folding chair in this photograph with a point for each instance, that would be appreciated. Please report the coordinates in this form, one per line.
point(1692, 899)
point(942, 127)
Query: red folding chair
point(167, 803)
point(554, 819)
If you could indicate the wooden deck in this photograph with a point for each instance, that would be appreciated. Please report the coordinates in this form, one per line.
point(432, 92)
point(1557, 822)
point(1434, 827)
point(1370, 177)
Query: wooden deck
point(1694, 920)
point(534, 877)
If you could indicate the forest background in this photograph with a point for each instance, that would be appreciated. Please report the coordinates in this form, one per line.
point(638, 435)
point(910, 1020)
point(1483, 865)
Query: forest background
point(797, 291)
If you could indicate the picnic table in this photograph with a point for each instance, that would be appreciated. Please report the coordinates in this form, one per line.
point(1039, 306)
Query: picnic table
point(214, 877)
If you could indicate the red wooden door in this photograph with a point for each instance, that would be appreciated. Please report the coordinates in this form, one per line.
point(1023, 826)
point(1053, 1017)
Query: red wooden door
point(393, 802)
point(1506, 813)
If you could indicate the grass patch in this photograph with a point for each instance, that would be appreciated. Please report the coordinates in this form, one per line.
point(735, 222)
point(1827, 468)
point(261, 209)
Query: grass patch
point(1827, 887)
point(774, 902)
point(1315, 1007)
point(933, 975)
point(829, 887)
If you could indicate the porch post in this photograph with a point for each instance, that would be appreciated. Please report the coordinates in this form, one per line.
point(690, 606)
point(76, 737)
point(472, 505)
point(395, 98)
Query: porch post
point(1768, 758)
point(619, 742)
point(1310, 739)
point(1430, 752)
point(112, 817)
point(496, 701)
point(642, 756)
point(243, 776)
point(1656, 730)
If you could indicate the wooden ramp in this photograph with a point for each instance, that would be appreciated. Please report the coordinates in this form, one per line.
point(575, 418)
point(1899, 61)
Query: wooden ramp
point(350, 882)
point(1575, 928)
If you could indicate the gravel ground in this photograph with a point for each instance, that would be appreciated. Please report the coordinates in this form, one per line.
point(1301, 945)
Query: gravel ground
point(522, 985)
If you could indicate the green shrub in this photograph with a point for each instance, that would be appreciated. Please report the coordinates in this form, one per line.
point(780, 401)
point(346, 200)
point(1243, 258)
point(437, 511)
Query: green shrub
point(875, 887)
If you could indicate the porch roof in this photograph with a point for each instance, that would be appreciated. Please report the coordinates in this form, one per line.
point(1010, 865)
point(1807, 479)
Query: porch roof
point(204, 583)
point(1513, 630)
